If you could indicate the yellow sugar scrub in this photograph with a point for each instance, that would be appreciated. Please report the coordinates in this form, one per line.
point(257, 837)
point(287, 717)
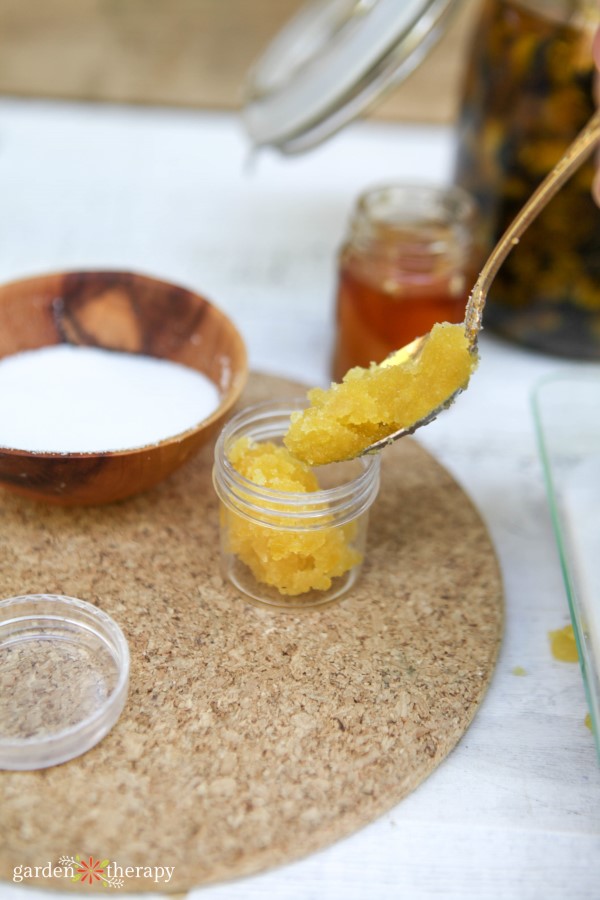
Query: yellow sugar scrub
point(371, 404)
point(294, 562)
point(287, 540)
point(268, 465)
point(563, 644)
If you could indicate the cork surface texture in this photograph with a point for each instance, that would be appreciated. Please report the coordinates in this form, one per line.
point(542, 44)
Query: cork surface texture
point(251, 738)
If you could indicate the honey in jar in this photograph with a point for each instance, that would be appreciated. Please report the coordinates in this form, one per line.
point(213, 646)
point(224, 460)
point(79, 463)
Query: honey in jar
point(528, 92)
point(409, 261)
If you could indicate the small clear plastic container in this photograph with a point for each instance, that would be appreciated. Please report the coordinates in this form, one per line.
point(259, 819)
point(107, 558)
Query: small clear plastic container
point(64, 674)
point(284, 549)
point(566, 410)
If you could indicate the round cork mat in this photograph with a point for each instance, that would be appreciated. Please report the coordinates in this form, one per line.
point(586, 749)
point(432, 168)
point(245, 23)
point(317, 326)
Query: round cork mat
point(251, 738)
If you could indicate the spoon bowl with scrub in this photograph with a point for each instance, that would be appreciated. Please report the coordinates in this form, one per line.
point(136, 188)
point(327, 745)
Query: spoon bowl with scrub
point(374, 407)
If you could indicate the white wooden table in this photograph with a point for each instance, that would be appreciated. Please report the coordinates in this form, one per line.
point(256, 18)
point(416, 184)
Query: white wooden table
point(514, 811)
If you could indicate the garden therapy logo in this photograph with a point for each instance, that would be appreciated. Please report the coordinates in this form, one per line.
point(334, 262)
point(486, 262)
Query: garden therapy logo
point(91, 871)
point(87, 870)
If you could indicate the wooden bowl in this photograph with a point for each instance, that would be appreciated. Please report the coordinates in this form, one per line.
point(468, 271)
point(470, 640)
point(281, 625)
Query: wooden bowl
point(127, 312)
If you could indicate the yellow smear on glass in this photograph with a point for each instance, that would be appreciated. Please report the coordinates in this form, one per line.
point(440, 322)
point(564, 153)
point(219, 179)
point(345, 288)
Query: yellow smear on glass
point(563, 644)
point(519, 670)
point(294, 562)
point(371, 404)
point(588, 721)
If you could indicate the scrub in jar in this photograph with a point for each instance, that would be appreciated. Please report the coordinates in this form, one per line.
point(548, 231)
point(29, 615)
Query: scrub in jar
point(529, 91)
point(290, 537)
point(409, 261)
point(294, 562)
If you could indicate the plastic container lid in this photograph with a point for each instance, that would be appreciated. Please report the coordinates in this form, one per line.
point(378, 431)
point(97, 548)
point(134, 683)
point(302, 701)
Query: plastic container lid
point(331, 61)
point(64, 674)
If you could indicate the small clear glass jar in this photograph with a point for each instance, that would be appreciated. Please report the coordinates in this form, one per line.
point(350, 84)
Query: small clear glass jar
point(409, 260)
point(291, 550)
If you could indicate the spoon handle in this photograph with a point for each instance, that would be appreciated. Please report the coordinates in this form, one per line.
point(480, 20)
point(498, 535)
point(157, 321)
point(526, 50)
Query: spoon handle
point(573, 157)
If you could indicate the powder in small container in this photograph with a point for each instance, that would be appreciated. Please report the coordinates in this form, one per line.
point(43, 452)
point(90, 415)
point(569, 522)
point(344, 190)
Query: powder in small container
point(70, 399)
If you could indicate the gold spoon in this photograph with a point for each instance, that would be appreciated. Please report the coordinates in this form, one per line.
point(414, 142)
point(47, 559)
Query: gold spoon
point(574, 156)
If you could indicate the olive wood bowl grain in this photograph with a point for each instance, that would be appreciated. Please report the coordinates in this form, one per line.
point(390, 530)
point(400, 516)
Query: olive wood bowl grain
point(126, 312)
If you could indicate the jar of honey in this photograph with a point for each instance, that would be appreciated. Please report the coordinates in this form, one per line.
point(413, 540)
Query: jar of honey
point(528, 91)
point(409, 260)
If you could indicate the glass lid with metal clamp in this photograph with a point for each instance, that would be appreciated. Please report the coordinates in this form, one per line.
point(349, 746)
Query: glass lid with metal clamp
point(332, 61)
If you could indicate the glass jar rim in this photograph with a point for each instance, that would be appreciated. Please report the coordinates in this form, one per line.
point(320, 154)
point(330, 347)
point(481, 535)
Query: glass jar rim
point(447, 202)
point(401, 221)
point(344, 500)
